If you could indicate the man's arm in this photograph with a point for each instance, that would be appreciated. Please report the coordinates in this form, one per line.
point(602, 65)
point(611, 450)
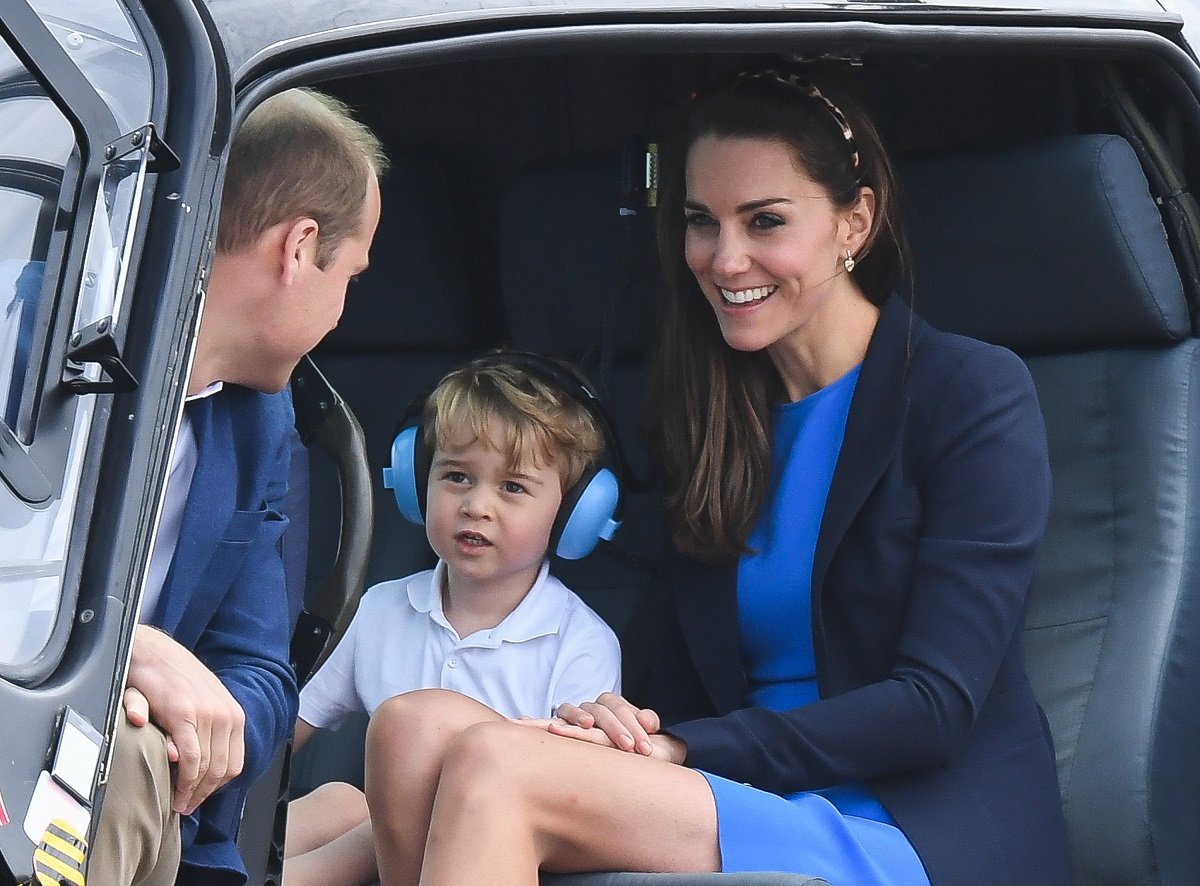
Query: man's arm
point(246, 643)
point(223, 689)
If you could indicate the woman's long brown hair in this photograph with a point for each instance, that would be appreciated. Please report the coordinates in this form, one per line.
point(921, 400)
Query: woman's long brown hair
point(712, 428)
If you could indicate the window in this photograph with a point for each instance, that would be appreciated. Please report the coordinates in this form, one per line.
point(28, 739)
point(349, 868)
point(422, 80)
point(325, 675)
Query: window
point(67, 207)
point(36, 144)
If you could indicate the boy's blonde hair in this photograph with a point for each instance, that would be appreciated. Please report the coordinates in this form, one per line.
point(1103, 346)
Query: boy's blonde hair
point(539, 420)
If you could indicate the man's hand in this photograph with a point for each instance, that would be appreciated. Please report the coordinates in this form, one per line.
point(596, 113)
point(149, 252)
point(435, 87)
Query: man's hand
point(204, 724)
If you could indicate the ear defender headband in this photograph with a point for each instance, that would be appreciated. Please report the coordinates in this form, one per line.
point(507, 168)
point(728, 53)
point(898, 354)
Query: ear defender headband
point(590, 508)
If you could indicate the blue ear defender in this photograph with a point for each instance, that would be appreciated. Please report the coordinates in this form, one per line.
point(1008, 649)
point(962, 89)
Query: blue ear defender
point(401, 476)
point(586, 515)
point(589, 509)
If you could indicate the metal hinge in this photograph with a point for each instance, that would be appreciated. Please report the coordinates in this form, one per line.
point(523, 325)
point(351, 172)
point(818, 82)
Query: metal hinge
point(95, 344)
point(162, 158)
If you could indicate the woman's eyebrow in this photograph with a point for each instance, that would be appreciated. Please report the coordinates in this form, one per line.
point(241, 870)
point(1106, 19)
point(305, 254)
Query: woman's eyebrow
point(751, 205)
point(748, 206)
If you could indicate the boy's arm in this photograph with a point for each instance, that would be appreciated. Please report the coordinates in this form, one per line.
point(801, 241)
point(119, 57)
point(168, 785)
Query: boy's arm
point(331, 694)
point(302, 734)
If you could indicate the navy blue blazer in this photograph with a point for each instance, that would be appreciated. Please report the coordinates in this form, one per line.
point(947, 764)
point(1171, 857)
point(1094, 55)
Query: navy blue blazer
point(924, 558)
point(225, 598)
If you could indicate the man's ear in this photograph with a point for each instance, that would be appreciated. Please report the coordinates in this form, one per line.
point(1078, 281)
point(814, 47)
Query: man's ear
point(299, 248)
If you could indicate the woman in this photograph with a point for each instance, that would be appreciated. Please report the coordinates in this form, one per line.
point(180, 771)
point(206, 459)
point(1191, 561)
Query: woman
point(861, 495)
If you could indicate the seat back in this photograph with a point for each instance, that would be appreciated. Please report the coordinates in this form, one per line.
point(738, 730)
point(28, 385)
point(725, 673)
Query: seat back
point(1057, 251)
point(577, 269)
point(409, 319)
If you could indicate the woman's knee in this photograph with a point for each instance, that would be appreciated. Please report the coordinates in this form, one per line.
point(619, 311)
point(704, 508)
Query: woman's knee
point(492, 760)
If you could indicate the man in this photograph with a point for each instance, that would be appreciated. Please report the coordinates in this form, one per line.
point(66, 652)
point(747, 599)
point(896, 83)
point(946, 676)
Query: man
point(210, 695)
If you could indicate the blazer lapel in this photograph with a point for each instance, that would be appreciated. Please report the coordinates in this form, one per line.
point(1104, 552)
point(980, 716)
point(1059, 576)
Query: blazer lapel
point(706, 600)
point(872, 431)
point(209, 504)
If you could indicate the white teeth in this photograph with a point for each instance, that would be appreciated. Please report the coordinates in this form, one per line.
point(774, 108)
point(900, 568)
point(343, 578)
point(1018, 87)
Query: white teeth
point(742, 296)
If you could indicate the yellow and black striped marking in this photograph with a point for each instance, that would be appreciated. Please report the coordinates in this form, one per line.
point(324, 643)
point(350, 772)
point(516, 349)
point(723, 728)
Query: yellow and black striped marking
point(59, 857)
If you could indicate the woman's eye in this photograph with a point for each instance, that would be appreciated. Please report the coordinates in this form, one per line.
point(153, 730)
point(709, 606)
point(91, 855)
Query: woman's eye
point(697, 219)
point(513, 488)
point(765, 221)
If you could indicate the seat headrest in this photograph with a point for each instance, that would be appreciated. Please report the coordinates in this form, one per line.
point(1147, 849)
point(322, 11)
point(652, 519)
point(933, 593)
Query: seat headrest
point(415, 294)
point(1050, 247)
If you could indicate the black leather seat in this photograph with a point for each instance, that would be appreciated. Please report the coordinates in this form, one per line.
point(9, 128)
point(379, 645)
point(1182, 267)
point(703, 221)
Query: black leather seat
point(577, 271)
point(1057, 251)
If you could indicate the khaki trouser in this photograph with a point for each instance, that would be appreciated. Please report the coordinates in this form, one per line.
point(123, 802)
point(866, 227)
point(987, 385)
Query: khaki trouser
point(137, 842)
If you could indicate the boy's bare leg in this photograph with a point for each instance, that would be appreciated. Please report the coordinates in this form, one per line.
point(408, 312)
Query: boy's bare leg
point(407, 742)
point(512, 799)
point(347, 860)
point(323, 815)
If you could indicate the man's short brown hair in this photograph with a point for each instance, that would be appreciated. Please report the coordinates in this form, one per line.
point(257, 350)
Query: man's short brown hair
point(299, 154)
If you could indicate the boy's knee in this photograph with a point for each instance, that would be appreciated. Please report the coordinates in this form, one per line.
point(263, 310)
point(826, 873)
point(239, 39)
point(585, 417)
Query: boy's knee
point(423, 719)
point(396, 717)
point(341, 800)
point(424, 704)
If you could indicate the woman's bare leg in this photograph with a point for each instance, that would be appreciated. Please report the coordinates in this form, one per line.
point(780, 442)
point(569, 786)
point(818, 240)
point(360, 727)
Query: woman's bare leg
point(406, 745)
point(513, 799)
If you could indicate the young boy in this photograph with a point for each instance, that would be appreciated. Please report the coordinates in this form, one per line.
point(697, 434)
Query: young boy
point(489, 620)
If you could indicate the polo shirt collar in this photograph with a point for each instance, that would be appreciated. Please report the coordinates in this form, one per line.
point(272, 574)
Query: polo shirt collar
point(539, 613)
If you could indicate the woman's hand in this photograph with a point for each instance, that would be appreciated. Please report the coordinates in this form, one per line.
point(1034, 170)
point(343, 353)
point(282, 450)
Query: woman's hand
point(626, 727)
point(661, 746)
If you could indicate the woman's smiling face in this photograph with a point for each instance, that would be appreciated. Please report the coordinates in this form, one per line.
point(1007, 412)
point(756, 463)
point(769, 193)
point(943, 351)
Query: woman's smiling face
point(766, 243)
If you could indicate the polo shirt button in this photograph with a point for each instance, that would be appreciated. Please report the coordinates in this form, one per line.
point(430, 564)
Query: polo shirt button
point(452, 662)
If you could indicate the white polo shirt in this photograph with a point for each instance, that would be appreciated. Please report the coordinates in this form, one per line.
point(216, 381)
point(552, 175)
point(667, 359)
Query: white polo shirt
point(551, 649)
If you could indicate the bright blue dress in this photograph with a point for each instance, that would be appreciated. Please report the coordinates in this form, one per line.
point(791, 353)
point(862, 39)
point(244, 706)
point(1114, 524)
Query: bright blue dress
point(842, 834)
